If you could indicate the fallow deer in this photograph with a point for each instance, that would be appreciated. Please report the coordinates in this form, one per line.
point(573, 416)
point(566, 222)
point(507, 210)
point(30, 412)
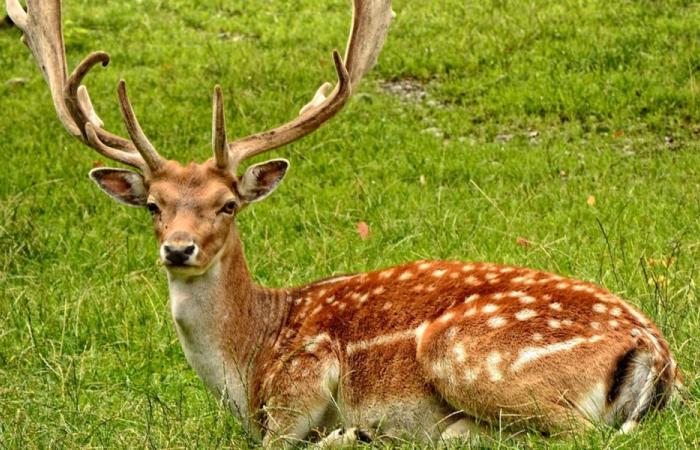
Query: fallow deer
point(428, 349)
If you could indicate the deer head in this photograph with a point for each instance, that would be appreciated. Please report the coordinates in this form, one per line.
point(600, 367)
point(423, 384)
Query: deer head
point(193, 206)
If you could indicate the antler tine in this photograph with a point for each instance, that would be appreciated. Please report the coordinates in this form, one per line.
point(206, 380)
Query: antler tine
point(151, 157)
point(43, 33)
point(218, 132)
point(370, 24)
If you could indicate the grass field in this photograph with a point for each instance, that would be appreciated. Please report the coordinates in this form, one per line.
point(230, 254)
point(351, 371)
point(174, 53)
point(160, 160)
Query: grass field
point(557, 135)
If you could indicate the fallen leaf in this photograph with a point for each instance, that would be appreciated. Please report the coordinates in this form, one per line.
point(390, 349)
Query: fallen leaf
point(664, 262)
point(363, 230)
point(96, 164)
point(521, 241)
point(618, 134)
point(590, 200)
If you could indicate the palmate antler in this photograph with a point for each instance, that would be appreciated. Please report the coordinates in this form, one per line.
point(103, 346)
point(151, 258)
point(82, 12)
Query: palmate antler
point(43, 34)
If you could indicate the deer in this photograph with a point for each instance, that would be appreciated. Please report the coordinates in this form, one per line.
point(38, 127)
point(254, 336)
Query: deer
point(429, 350)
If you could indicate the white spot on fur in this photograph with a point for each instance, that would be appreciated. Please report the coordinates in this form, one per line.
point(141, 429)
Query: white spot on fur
point(554, 323)
point(528, 299)
point(406, 275)
point(386, 306)
point(498, 296)
point(467, 268)
point(555, 306)
point(595, 325)
point(439, 273)
point(424, 265)
point(378, 290)
point(506, 269)
point(471, 280)
point(600, 308)
point(472, 298)
point(537, 337)
point(578, 287)
point(470, 312)
point(317, 310)
point(460, 352)
point(454, 275)
point(562, 285)
point(447, 317)
point(491, 276)
point(613, 323)
point(489, 308)
point(516, 294)
point(364, 297)
point(635, 332)
point(330, 299)
point(418, 288)
point(497, 322)
point(386, 273)
point(616, 311)
point(567, 322)
point(493, 360)
point(525, 314)
point(471, 374)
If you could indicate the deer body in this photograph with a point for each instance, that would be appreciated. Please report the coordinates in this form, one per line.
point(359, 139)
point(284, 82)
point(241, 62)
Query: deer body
point(428, 347)
point(431, 350)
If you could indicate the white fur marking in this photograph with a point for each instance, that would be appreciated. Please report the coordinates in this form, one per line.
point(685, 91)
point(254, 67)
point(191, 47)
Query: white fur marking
point(492, 362)
point(525, 314)
point(530, 354)
point(439, 273)
point(490, 308)
point(600, 308)
point(497, 322)
point(472, 298)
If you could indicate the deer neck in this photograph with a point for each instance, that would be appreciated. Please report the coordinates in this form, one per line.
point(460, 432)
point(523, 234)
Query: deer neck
point(224, 321)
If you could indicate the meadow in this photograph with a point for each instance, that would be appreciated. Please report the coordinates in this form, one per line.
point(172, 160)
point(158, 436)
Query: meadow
point(556, 135)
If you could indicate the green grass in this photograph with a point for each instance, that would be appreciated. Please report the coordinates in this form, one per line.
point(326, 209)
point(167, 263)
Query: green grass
point(531, 108)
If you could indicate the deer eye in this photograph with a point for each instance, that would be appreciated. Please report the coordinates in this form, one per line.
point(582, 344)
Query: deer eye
point(153, 208)
point(229, 207)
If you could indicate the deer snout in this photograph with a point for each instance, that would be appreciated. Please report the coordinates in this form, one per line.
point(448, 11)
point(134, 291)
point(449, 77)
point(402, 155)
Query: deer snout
point(179, 251)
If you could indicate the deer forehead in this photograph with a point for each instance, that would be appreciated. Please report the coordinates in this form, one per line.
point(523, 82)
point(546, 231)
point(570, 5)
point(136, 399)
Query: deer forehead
point(201, 184)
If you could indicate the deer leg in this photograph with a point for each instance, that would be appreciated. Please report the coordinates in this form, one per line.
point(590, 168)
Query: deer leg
point(300, 397)
point(343, 437)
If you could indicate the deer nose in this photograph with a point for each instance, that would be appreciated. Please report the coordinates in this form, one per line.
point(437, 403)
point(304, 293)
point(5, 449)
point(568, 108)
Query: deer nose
point(179, 253)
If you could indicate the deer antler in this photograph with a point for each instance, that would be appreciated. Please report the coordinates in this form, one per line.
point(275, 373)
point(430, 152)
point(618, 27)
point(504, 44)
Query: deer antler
point(370, 23)
point(43, 34)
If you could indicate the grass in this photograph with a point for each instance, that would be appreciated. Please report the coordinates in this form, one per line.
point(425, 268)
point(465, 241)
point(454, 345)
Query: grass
point(481, 135)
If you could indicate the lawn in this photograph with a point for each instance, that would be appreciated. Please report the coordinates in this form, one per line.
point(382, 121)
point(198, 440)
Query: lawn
point(557, 135)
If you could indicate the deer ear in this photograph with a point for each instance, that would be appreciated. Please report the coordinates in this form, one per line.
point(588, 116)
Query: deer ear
point(123, 185)
point(259, 180)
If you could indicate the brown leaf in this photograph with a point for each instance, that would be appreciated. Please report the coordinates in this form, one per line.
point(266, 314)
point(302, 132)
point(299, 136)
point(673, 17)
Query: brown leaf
point(96, 164)
point(590, 200)
point(521, 241)
point(363, 230)
point(618, 134)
